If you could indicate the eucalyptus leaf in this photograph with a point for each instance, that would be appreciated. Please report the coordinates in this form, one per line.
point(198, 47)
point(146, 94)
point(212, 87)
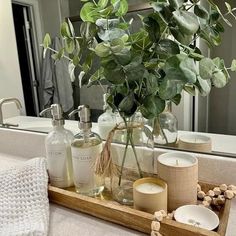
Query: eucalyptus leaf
point(102, 50)
point(47, 41)
point(218, 79)
point(233, 65)
point(152, 107)
point(102, 3)
point(169, 88)
point(89, 12)
point(176, 3)
point(167, 47)
point(69, 45)
point(176, 99)
point(206, 68)
point(127, 104)
point(65, 30)
point(201, 12)
point(204, 86)
point(187, 22)
point(116, 76)
point(153, 28)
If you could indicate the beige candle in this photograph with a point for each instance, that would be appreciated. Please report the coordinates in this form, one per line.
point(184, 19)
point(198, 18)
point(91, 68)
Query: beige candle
point(150, 195)
point(180, 172)
point(195, 142)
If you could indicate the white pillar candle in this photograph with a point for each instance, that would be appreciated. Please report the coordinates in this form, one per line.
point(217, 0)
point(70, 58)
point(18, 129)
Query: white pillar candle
point(150, 194)
point(149, 188)
point(180, 171)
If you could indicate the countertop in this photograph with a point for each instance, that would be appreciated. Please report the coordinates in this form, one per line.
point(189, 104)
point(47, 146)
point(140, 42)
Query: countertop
point(66, 222)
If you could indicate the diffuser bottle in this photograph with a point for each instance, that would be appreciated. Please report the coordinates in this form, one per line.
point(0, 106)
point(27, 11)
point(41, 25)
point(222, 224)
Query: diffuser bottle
point(58, 150)
point(86, 148)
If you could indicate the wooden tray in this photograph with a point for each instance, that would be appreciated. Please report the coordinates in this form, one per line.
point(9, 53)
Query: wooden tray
point(114, 212)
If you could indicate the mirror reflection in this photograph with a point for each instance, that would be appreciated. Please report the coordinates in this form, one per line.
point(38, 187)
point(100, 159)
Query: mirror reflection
point(200, 122)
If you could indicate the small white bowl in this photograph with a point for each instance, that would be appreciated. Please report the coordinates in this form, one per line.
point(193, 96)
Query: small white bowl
point(198, 216)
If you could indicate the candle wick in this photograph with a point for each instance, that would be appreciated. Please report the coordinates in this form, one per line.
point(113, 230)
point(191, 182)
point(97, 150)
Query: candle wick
point(177, 162)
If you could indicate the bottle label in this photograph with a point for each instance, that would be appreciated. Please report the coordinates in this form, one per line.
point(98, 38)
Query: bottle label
point(83, 163)
point(57, 164)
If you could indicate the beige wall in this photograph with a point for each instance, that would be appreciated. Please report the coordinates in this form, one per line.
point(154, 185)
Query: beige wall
point(10, 79)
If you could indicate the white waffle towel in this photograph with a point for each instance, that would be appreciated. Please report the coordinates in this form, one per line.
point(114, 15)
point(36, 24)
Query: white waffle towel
point(24, 206)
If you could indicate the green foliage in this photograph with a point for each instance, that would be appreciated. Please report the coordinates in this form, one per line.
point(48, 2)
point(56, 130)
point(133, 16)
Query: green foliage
point(154, 64)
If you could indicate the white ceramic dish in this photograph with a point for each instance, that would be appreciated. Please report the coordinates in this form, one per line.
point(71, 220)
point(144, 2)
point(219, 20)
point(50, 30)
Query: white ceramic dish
point(198, 216)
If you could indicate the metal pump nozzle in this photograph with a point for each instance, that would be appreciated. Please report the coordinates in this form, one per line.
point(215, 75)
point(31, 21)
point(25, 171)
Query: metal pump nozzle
point(57, 114)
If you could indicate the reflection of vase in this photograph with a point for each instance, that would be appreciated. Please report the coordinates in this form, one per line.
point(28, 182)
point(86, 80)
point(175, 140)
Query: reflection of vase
point(165, 127)
point(132, 157)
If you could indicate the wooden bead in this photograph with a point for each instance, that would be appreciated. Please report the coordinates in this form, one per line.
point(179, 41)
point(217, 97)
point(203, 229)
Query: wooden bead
point(206, 203)
point(155, 225)
point(170, 216)
point(215, 202)
point(201, 195)
point(229, 194)
point(208, 199)
point(199, 188)
point(210, 193)
point(217, 191)
point(223, 187)
point(164, 214)
point(155, 233)
point(158, 216)
point(221, 200)
point(232, 187)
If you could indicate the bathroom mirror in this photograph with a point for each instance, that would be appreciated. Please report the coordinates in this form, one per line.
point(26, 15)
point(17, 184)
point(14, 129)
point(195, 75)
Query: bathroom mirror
point(215, 114)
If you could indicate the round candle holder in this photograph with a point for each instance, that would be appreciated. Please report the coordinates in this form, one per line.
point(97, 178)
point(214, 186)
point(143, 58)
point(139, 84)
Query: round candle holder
point(150, 201)
point(180, 172)
point(195, 142)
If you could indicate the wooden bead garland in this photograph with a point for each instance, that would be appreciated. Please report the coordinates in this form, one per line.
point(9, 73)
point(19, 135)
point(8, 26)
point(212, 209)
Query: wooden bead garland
point(215, 197)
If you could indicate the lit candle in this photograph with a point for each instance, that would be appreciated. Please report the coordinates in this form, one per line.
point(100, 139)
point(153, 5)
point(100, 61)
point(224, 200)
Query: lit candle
point(180, 172)
point(149, 188)
point(150, 195)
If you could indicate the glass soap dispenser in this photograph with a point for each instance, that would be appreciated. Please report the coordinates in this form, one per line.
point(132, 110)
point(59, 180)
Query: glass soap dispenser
point(86, 148)
point(107, 120)
point(58, 150)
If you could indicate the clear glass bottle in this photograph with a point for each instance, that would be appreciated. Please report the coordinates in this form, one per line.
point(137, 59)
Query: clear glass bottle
point(86, 148)
point(165, 127)
point(132, 157)
point(107, 120)
point(58, 150)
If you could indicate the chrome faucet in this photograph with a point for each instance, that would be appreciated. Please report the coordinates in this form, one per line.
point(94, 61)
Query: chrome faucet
point(6, 100)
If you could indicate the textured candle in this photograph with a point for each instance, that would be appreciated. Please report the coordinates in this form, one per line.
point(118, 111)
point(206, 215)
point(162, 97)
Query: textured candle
point(180, 172)
point(149, 188)
point(195, 142)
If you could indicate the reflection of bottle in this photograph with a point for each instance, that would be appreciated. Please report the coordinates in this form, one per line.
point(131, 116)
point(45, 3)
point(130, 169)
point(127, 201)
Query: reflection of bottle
point(167, 126)
point(58, 150)
point(107, 120)
point(86, 148)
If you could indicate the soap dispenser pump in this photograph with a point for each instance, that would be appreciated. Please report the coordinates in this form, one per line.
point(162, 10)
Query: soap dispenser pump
point(86, 148)
point(58, 150)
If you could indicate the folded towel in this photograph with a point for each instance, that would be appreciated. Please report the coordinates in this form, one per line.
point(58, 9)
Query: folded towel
point(24, 206)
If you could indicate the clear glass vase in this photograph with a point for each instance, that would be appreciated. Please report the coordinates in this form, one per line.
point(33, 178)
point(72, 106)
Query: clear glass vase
point(165, 127)
point(132, 157)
